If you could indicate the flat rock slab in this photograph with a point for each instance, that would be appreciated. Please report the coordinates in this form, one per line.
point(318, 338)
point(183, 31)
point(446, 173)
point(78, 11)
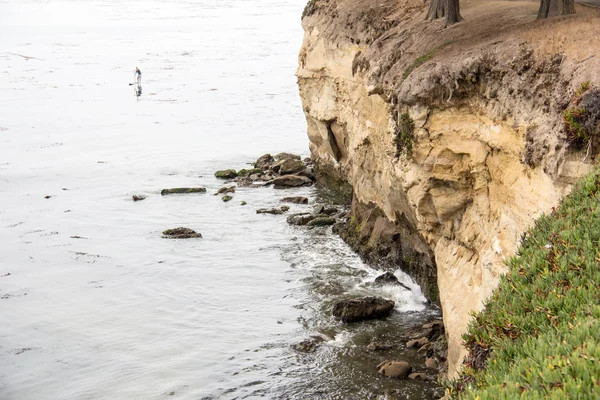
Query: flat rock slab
point(286, 181)
point(180, 233)
point(225, 189)
point(361, 309)
point(183, 190)
point(300, 219)
point(275, 211)
point(321, 221)
point(295, 200)
point(394, 369)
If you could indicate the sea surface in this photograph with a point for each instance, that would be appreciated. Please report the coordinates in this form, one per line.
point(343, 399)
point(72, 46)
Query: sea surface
point(94, 304)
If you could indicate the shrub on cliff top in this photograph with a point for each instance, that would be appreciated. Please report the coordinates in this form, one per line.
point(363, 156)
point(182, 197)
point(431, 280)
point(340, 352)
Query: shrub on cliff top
point(310, 8)
point(582, 117)
point(538, 336)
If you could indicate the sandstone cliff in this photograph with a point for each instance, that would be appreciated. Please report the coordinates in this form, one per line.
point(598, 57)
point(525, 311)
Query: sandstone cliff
point(452, 139)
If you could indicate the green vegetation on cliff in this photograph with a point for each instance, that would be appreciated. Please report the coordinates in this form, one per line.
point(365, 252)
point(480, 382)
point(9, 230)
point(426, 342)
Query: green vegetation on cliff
point(538, 336)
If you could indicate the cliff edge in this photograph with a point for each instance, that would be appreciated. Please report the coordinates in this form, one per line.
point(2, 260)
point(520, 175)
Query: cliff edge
point(453, 139)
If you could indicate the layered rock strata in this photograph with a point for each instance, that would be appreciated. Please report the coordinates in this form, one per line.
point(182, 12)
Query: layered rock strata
point(452, 139)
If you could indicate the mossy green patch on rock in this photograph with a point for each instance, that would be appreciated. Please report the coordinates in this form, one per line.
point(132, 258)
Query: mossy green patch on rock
point(226, 174)
point(248, 172)
point(405, 128)
point(226, 198)
point(538, 334)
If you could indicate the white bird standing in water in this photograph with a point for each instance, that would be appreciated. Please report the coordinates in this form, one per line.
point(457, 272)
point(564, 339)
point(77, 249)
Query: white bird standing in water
point(137, 76)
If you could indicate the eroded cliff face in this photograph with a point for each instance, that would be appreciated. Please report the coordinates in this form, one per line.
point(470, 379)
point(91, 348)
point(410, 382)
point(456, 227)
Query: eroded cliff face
point(488, 150)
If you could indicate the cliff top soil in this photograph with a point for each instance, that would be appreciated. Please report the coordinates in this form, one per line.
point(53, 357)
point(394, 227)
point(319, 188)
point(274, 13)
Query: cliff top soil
point(396, 35)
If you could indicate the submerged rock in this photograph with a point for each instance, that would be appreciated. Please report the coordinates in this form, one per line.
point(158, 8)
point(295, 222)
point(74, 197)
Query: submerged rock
point(394, 369)
point(374, 346)
point(183, 190)
point(226, 174)
point(419, 376)
point(291, 181)
point(180, 233)
point(295, 200)
point(322, 221)
point(225, 189)
point(431, 363)
point(309, 345)
point(136, 197)
point(389, 279)
point(364, 308)
point(417, 342)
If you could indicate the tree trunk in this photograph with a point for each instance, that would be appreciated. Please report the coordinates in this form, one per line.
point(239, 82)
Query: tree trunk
point(453, 12)
point(437, 9)
point(553, 8)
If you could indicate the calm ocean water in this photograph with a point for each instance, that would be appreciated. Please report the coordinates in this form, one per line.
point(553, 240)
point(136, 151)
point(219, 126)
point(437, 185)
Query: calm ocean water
point(97, 305)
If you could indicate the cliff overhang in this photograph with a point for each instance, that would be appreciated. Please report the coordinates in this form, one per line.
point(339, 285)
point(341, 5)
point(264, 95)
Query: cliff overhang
point(453, 139)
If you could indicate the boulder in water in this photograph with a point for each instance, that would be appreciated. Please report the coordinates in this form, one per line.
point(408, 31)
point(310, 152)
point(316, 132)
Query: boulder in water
point(363, 308)
point(275, 211)
point(417, 342)
point(286, 181)
point(431, 363)
point(226, 198)
point(138, 197)
point(300, 219)
point(394, 369)
point(250, 172)
point(287, 156)
point(226, 174)
point(180, 233)
point(419, 376)
point(322, 221)
point(264, 162)
point(291, 166)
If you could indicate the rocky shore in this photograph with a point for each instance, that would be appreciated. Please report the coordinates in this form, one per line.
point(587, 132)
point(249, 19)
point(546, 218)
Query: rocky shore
point(417, 353)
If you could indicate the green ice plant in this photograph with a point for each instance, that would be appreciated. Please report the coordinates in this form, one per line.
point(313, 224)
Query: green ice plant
point(538, 335)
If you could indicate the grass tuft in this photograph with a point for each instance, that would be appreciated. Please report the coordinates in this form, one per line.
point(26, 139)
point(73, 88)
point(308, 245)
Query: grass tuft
point(405, 129)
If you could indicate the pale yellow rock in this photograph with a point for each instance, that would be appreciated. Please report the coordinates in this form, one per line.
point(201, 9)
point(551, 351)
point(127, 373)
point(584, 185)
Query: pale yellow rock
point(465, 186)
